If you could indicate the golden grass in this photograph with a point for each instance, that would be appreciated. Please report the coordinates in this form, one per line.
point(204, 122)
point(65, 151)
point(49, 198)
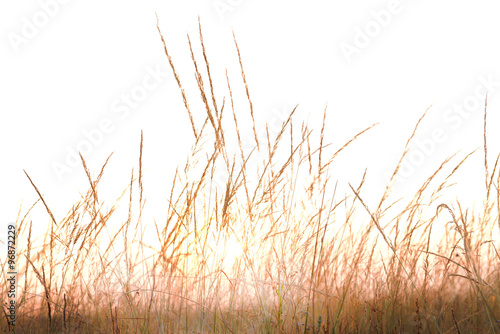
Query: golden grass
point(274, 249)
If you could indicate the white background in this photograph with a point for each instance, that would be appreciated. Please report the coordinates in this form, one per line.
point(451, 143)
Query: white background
point(67, 75)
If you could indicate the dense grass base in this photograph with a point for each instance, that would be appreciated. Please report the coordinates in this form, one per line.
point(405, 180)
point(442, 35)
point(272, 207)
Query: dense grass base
point(269, 246)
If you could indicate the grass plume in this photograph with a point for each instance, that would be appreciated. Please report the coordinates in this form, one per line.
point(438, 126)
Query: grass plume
point(258, 238)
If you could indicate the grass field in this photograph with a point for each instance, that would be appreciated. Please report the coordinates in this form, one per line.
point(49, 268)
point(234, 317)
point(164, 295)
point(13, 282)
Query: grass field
point(270, 248)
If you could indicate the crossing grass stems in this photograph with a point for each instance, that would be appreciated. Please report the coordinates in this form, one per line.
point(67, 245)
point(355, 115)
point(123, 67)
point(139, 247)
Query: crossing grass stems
point(311, 260)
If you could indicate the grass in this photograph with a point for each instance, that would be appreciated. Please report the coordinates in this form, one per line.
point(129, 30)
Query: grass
point(257, 239)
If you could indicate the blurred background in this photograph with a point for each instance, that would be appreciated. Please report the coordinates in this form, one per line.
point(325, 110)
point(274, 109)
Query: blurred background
point(88, 76)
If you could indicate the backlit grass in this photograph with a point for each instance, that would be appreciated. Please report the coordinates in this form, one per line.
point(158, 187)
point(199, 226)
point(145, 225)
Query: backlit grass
point(258, 239)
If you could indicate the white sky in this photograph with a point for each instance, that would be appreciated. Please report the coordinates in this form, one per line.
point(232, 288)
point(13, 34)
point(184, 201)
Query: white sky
point(66, 72)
